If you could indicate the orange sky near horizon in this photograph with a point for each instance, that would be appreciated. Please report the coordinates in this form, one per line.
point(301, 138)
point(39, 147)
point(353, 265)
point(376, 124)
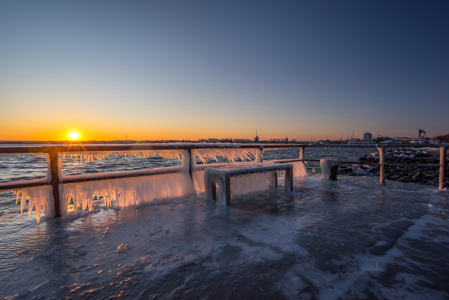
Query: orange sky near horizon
point(34, 127)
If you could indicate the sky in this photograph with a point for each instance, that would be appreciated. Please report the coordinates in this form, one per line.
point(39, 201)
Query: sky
point(223, 69)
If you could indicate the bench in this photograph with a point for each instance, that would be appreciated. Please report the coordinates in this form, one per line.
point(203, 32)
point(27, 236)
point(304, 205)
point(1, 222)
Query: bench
point(222, 177)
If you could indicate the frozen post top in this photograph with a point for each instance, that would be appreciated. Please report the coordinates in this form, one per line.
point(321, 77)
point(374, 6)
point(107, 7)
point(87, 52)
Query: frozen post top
point(329, 169)
point(222, 177)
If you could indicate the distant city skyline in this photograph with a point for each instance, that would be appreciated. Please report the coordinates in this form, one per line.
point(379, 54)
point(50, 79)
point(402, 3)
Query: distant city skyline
point(152, 70)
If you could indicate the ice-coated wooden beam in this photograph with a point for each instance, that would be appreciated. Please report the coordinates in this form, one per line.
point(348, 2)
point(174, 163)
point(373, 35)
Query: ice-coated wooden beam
point(382, 164)
point(443, 164)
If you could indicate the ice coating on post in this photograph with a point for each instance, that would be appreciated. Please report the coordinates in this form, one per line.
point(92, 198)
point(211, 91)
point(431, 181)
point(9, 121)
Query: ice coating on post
point(329, 169)
point(198, 181)
point(299, 168)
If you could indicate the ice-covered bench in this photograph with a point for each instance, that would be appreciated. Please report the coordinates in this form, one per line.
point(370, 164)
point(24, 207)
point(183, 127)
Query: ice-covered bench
point(222, 177)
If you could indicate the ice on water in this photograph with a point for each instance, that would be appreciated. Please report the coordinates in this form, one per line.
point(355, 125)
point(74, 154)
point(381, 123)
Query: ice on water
point(325, 240)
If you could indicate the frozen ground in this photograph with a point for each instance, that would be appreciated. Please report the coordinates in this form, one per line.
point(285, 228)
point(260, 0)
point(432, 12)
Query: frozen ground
point(350, 239)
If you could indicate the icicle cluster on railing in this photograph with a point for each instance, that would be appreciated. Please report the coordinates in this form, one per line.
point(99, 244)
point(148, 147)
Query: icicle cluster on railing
point(143, 189)
point(90, 156)
point(232, 154)
point(125, 192)
point(38, 197)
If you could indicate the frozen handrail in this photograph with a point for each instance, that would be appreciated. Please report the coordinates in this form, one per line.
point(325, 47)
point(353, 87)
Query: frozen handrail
point(54, 169)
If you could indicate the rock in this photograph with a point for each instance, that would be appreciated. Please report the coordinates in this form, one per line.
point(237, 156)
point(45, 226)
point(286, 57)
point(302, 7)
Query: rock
point(24, 251)
point(389, 157)
point(345, 170)
point(123, 248)
point(23, 293)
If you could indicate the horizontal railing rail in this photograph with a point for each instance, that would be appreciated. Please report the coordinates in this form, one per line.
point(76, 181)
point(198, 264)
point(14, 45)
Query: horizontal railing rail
point(54, 151)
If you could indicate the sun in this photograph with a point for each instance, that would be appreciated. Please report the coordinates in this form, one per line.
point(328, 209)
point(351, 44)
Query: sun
point(74, 136)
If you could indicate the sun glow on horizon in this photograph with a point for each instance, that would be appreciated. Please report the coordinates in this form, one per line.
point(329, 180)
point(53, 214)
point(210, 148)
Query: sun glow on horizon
point(74, 136)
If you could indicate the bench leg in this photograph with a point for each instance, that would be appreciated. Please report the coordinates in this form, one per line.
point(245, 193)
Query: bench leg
point(214, 191)
point(208, 187)
point(228, 190)
point(288, 182)
point(275, 173)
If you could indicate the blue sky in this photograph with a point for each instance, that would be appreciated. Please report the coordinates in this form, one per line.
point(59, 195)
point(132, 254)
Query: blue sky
point(217, 69)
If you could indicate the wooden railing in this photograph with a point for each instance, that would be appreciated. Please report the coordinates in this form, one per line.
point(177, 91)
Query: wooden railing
point(53, 153)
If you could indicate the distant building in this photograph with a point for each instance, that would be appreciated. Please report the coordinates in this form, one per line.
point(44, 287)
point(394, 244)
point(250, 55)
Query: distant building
point(279, 140)
point(368, 137)
point(213, 140)
point(256, 139)
point(241, 141)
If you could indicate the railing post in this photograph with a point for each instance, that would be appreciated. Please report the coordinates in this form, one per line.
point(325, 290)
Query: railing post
point(443, 165)
point(382, 164)
point(259, 156)
point(191, 161)
point(54, 155)
point(301, 153)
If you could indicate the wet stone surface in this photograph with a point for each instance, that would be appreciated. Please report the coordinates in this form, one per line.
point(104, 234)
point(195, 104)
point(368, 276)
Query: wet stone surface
point(350, 239)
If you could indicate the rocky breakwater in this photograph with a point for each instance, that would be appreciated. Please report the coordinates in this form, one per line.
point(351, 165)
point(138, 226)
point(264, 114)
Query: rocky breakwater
point(410, 170)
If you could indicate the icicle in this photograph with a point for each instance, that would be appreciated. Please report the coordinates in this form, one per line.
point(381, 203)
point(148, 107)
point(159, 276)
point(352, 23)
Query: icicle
point(31, 203)
point(17, 196)
point(23, 200)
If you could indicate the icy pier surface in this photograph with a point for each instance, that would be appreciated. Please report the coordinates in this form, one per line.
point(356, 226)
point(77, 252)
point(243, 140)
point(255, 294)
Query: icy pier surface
point(350, 239)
